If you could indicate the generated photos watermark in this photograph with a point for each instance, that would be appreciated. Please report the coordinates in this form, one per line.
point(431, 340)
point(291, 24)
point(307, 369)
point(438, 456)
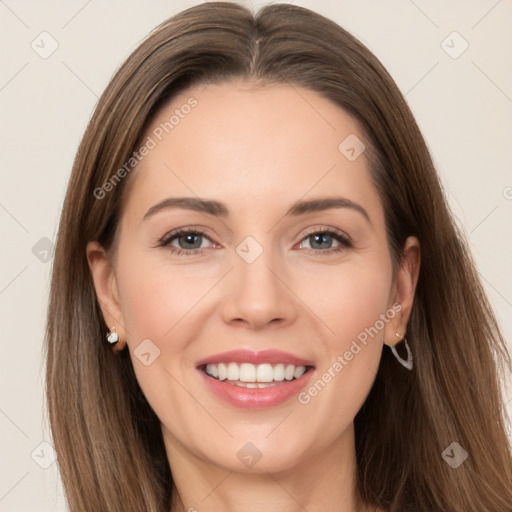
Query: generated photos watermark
point(343, 360)
point(150, 143)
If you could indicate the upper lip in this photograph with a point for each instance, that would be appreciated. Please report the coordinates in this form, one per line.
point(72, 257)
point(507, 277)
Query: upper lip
point(260, 357)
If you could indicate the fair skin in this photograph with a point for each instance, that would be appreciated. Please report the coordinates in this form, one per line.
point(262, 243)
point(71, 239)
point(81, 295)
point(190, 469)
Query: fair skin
point(258, 151)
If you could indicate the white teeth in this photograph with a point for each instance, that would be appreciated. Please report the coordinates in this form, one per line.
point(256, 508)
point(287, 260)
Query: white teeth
point(247, 372)
point(232, 373)
point(212, 369)
point(299, 371)
point(265, 373)
point(253, 384)
point(289, 371)
point(254, 375)
point(279, 372)
point(222, 371)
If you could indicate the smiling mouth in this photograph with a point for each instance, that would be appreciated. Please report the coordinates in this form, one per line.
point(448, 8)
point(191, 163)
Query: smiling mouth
point(249, 375)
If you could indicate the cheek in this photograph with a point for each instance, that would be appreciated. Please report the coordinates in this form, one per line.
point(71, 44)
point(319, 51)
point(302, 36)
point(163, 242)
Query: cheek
point(155, 297)
point(161, 302)
point(350, 299)
point(354, 307)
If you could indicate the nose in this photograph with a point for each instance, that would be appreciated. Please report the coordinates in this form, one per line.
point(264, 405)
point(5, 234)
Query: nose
point(257, 295)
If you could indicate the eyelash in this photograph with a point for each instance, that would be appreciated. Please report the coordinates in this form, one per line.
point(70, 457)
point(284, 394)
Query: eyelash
point(344, 241)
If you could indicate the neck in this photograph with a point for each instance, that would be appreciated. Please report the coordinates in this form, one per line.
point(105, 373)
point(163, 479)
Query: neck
point(325, 480)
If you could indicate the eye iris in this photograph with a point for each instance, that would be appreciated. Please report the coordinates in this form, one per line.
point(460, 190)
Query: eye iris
point(188, 239)
point(319, 238)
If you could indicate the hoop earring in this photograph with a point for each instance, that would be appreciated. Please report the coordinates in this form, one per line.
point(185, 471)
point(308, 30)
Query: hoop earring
point(406, 363)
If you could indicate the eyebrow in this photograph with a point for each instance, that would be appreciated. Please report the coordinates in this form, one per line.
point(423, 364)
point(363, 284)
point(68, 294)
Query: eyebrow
point(218, 209)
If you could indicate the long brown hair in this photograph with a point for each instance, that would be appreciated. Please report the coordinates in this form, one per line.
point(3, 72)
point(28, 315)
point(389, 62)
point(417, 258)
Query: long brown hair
point(108, 439)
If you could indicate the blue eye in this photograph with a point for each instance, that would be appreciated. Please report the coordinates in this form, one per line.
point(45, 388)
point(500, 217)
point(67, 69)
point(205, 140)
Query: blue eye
point(320, 241)
point(190, 241)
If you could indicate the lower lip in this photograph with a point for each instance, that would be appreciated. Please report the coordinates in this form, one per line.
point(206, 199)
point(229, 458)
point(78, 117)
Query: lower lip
point(256, 398)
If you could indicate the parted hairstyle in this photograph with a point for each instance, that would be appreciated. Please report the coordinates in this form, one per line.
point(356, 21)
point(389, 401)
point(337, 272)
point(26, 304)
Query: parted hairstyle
point(108, 440)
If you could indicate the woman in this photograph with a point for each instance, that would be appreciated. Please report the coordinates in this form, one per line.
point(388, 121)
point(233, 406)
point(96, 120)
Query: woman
point(260, 300)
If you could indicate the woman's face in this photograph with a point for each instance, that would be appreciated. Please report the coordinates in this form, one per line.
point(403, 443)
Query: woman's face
point(308, 288)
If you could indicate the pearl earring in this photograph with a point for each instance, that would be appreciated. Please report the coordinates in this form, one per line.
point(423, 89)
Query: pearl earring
point(112, 336)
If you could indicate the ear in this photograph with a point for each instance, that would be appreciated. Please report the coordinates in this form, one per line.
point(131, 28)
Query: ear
point(403, 291)
point(107, 292)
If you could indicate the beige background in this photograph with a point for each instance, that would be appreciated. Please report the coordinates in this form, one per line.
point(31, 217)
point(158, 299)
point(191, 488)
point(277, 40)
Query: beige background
point(463, 105)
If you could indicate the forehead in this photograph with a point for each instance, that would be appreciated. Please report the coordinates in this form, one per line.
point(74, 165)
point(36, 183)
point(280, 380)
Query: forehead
point(251, 146)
